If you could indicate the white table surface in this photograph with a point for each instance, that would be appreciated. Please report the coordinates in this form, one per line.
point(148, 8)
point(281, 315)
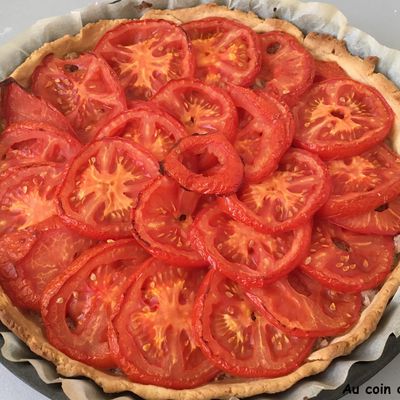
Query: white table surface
point(379, 18)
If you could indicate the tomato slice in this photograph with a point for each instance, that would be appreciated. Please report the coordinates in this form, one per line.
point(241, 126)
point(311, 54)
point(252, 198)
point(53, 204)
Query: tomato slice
point(243, 254)
point(362, 183)
point(287, 68)
point(200, 108)
point(225, 51)
point(237, 338)
point(325, 70)
point(383, 220)
point(35, 142)
point(223, 178)
point(284, 200)
point(162, 221)
point(154, 335)
point(21, 106)
point(54, 249)
point(341, 118)
point(348, 261)
point(147, 125)
point(263, 135)
point(102, 186)
point(301, 306)
point(84, 89)
point(78, 305)
point(146, 54)
point(28, 196)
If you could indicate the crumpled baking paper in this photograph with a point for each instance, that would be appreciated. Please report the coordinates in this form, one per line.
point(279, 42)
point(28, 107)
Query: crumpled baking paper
point(308, 17)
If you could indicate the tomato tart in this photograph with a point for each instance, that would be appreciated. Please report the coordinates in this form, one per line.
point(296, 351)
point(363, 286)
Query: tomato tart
point(192, 204)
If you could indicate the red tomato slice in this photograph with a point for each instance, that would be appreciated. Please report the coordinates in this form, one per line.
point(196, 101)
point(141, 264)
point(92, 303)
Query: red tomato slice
point(146, 54)
point(300, 306)
point(54, 249)
point(287, 67)
point(225, 51)
point(34, 142)
point(325, 70)
point(84, 89)
point(223, 178)
point(362, 183)
point(341, 118)
point(200, 108)
point(154, 341)
point(78, 305)
point(237, 338)
point(243, 254)
point(21, 106)
point(102, 186)
point(284, 200)
point(162, 221)
point(28, 196)
point(348, 261)
point(383, 220)
point(262, 138)
point(147, 125)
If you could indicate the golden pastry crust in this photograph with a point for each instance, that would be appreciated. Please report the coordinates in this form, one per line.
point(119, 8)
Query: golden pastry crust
point(322, 47)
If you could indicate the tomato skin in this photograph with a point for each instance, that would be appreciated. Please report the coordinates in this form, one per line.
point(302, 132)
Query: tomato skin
point(378, 222)
point(325, 70)
point(287, 67)
point(223, 178)
point(201, 109)
point(242, 207)
point(35, 142)
point(289, 302)
point(68, 86)
point(123, 169)
point(258, 357)
point(263, 135)
point(341, 118)
point(78, 305)
point(362, 183)
point(244, 255)
point(211, 65)
point(347, 261)
point(152, 330)
point(147, 125)
point(131, 50)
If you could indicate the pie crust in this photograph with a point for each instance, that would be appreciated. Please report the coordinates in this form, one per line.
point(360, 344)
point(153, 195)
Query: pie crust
point(28, 328)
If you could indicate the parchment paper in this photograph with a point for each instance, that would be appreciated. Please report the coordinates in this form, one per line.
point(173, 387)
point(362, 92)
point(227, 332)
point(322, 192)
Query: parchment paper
point(308, 17)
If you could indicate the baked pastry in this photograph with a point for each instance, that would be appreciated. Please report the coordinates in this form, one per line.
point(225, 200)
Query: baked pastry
point(323, 48)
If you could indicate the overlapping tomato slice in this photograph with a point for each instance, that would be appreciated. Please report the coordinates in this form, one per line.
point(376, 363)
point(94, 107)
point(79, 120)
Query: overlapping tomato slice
point(153, 340)
point(362, 183)
point(84, 89)
point(341, 118)
point(325, 70)
point(54, 248)
point(78, 305)
point(224, 50)
point(284, 200)
point(102, 186)
point(301, 306)
point(237, 338)
point(287, 68)
point(162, 221)
point(148, 126)
point(200, 108)
point(346, 261)
point(35, 142)
point(243, 254)
point(146, 54)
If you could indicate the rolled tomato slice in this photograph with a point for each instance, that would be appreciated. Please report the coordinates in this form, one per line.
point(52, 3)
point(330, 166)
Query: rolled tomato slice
point(237, 338)
point(102, 186)
point(243, 254)
point(153, 340)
